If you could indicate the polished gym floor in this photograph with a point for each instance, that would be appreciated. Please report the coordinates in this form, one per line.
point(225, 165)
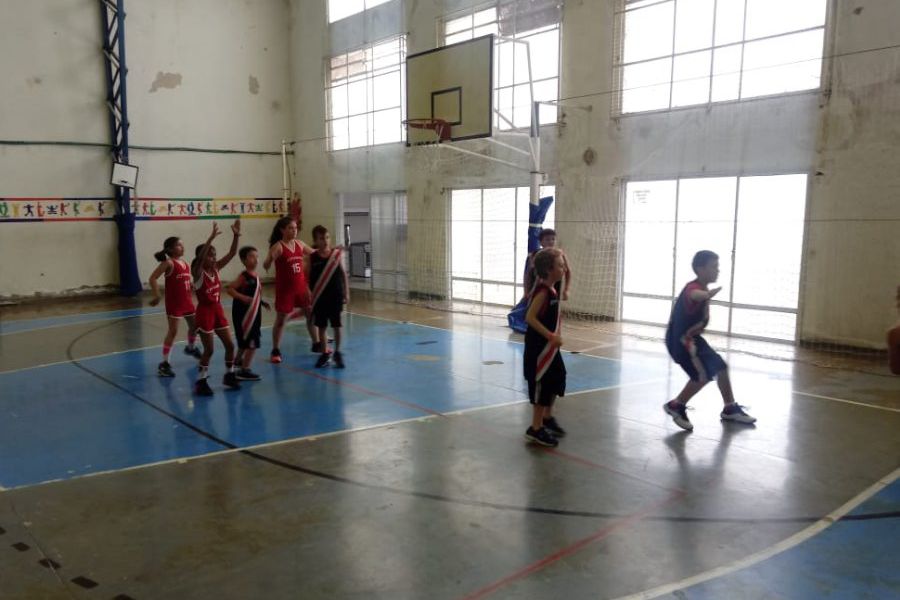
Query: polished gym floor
point(405, 475)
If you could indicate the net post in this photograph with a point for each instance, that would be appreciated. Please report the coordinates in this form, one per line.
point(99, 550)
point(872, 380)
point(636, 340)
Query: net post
point(285, 188)
point(535, 139)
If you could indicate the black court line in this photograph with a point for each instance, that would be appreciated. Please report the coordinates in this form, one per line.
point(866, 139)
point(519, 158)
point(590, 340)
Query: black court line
point(414, 493)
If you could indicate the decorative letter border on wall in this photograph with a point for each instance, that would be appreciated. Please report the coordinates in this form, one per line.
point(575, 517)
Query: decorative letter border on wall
point(44, 210)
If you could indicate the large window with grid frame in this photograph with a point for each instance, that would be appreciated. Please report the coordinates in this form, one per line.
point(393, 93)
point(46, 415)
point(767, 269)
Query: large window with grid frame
point(489, 242)
point(540, 27)
point(366, 95)
point(754, 223)
point(675, 53)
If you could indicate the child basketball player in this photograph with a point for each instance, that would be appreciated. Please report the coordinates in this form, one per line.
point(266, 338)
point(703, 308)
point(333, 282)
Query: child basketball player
point(543, 363)
point(291, 290)
point(210, 314)
point(547, 239)
point(245, 314)
point(330, 291)
point(688, 348)
point(178, 299)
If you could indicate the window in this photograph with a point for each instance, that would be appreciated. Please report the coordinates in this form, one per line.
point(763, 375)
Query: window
point(539, 26)
point(365, 93)
point(341, 9)
point(687, 52)
point(754, 224)
point(489, 243)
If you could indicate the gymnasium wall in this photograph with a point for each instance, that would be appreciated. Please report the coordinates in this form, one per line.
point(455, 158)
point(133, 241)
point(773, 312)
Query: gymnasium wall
point(231, 74)
point(842, 139)
point(853, 253)
point(210, 74)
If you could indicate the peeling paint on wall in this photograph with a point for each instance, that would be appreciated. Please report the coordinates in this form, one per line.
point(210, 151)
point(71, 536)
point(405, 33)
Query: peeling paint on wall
point(166, 80)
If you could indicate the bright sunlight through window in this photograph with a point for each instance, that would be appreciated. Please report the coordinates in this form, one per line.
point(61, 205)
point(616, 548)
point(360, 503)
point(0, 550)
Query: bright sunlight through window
point(688, 52)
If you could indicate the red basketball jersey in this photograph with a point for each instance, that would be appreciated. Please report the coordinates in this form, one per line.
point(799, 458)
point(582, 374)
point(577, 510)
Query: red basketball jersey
point(178, 289)
point(208, 289)
point(289, 274)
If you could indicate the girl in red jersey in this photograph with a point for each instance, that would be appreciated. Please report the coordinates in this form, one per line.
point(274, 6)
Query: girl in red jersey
point(292, 296)
point(178, 299)
point(210, 314)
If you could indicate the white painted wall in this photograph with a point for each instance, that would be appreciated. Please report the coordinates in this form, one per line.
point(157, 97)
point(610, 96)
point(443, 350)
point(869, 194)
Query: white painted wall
point(853, 254)
point(53, 89)
point(226, 84)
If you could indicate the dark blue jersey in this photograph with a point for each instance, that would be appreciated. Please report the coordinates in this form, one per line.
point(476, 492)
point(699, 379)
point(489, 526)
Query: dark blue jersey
point(689, 317)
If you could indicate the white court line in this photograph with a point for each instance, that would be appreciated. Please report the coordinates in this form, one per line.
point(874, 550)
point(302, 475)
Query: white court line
point(214, 453)
point(618, 386)
point(93, 356)
point(853, 402)
point(786, 544)
point(87, 322)
point(63, 362)
point(265, 445)
point(478, 335)
point(597, 347)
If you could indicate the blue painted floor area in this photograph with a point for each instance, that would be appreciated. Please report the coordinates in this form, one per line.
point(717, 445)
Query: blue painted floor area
point(24, 325)
point(850, 560)
point(60, 421)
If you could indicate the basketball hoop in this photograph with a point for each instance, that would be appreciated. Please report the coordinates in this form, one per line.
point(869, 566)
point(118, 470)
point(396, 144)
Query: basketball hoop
point(440, 127)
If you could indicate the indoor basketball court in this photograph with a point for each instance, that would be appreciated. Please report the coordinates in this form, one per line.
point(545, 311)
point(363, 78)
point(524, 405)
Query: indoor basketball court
point(441, 144)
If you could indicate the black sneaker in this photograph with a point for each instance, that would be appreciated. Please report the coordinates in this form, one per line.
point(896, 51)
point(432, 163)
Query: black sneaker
point(338, 359)
point(323, 360)
point(201, 388)
point(553, 427)
point(165, 369)
point(247, 375)
point(193, 351)
point(231, 381)
point(275, 356)
point(678, 412)
point(542, 437)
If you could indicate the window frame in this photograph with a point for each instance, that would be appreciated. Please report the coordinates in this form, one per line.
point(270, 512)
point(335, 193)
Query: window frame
point(517, 269)
point(619, 63)
point(368, 76)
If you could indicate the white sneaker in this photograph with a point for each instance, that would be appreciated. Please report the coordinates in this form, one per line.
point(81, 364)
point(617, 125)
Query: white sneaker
point(679, 415)
point(734, 412)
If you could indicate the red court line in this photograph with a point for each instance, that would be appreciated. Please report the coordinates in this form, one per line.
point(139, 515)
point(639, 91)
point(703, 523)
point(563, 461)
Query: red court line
point(590, 463)
point(555, 452)
point(366, 391)
point(572, 548)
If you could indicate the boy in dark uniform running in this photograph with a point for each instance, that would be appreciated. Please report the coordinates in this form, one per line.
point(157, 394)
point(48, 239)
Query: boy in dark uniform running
point(687, 347)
